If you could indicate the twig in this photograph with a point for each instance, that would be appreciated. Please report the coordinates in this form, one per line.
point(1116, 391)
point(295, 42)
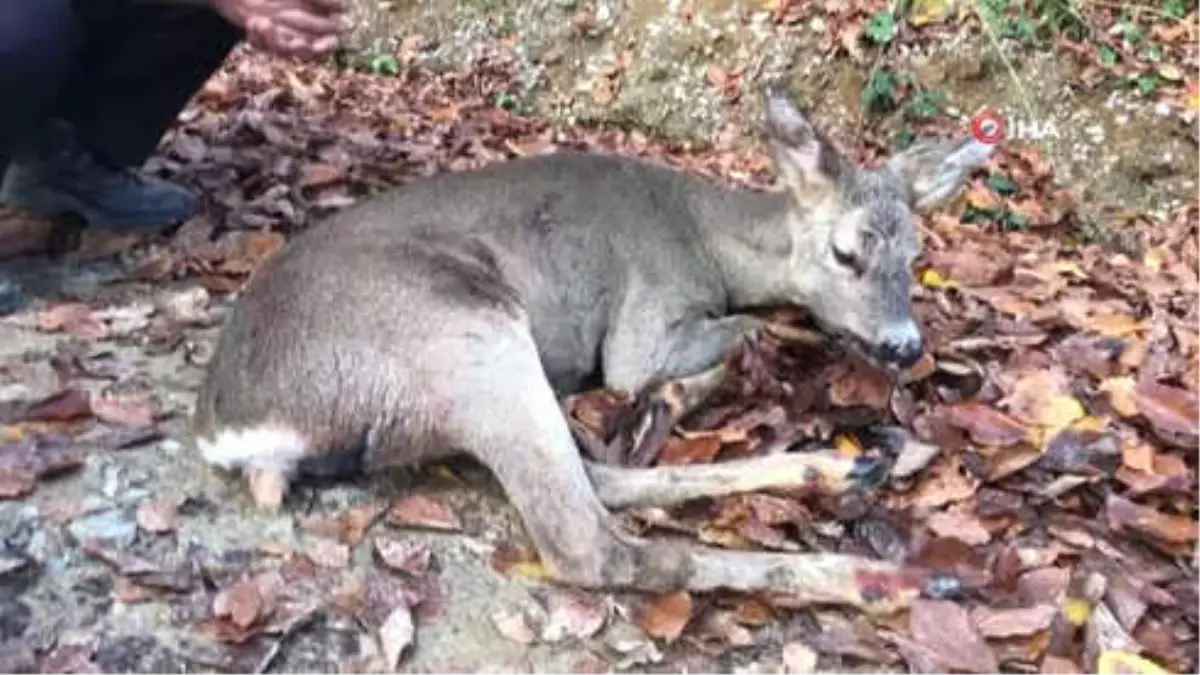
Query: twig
point(1136, 7)
point(893, 6)
point(990, 31)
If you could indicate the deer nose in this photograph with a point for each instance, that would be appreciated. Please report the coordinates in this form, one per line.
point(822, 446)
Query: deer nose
point(901, 345)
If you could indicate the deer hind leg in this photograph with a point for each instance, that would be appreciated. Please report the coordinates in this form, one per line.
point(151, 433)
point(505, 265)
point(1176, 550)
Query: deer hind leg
point(506, 415)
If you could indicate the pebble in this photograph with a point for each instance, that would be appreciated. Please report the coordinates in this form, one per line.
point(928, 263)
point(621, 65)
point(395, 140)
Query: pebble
point(113, 527)
point(112, 481)
point(17, 522)
point(11, 563)
point(45, 549)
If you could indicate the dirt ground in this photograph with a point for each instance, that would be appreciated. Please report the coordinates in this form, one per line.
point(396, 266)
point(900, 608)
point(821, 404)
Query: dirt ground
point(61, 594)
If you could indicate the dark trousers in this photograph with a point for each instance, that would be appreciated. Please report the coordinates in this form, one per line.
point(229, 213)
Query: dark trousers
point(119, 71)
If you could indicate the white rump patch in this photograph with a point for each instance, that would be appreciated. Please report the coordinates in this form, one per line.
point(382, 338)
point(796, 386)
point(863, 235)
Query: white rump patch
point(266, 447)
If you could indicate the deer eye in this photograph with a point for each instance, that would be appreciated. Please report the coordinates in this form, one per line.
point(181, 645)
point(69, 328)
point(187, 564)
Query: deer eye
point(847, 260)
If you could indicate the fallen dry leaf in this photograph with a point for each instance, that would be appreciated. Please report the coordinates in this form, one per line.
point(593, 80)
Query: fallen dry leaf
point(1139, 457)
point(1021, 621)
point(519, 561)
point(752, 612)
point(513, 627)
point(74, 318)
point(63, 406)
point(696, 450)
point(1166, 527)
point(253, 249)
point(666, 616)
point(972, 266)
point(947, 483)
point(572, 613)
point(423, 512)
point(267, 487)
point(1121, 397)
point(986, 425)
point(16, 482)
point(408, 557)
point(329, 553)
point(980, 197)
point(719, 630)
point(242, 603)
point(861, 387)
point(1169, 409)
point(799, 659)
point(158, 516)
point(130, 411)
point(959, 526)
point(349, 526)
point(948, 631)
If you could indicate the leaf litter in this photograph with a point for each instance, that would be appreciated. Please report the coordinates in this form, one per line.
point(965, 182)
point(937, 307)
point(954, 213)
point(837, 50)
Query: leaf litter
point(1052, 424)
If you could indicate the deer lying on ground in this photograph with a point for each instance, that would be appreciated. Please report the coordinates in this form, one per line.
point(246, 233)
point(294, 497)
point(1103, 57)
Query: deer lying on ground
point(451, 315)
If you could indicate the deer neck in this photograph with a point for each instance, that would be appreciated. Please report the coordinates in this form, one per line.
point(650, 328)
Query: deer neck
point(754, 242)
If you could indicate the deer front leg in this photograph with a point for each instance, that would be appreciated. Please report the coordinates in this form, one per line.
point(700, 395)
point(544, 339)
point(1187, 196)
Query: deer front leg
point(688, 375)
point(674, 370)
point(703, 344)
point(661, 406)
point(822, 472)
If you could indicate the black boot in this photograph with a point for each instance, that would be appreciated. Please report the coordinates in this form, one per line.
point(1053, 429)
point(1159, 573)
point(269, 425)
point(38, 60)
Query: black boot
point(55, 175)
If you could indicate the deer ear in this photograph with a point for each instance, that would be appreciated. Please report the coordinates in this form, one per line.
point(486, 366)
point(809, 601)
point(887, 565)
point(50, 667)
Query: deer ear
point(809, 164)
point(935, 170)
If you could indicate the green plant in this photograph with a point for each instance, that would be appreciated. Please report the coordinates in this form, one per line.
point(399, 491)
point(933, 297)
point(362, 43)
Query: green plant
point(1131, 32)
point(879, 94)
point(507, 101)
point(1032, 21)
point(1147, 84)
point(1001, 184)
point(384, 64)
point(881, 28)
point(999, 214)
point(1176, 9)
point(903, 139)
point(1060, 17)
point(1108, 56)
point(378, 58)
point(1153, 52)
point(925, 105)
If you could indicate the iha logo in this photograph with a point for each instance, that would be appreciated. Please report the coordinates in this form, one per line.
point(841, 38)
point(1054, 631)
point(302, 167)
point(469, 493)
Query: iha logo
point(988, 127)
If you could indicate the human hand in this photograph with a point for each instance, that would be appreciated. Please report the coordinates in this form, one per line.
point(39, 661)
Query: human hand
point(303, 28)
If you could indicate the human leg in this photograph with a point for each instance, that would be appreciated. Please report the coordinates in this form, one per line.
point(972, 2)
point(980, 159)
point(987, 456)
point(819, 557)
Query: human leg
point(137, 64)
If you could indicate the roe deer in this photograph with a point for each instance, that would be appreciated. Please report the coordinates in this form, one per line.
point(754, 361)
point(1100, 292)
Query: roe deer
point(452, 314)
